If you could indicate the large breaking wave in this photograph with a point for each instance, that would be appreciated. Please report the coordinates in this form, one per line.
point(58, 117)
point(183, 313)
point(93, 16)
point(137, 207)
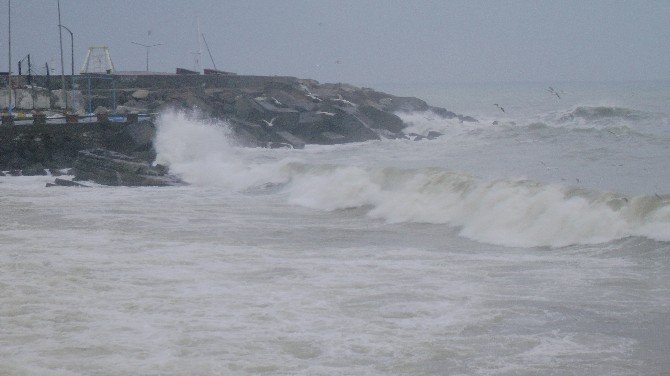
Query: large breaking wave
point(507, 212)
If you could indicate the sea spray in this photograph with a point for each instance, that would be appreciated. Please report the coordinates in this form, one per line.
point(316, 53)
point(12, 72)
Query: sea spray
point(203, 152)
point(510, 212)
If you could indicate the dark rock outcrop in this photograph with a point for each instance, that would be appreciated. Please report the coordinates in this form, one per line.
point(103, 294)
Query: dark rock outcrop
point(112, 168)
point(34, 170)
point(65, 183)
point(288, 111)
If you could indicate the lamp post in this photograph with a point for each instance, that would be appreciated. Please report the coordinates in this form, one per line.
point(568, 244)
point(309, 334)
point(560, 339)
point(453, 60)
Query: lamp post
point(62, 68)
point(9, 52)
point(72, 63)
point(147, 46)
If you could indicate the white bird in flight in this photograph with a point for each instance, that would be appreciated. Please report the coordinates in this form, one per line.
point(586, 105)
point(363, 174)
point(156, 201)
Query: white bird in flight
point(554, 92)
point(271, 122)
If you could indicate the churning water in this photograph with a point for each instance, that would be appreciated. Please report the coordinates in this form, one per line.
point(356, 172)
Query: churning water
point(533, 242)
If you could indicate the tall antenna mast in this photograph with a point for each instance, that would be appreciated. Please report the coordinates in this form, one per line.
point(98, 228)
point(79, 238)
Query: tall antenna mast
point(197, 67)
point(209, 52)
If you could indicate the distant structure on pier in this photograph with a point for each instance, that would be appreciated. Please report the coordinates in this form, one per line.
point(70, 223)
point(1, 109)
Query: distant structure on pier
point(98, 60)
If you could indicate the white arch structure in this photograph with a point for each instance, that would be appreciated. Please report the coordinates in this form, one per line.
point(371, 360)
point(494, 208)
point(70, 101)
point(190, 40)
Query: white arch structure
point(98, 60)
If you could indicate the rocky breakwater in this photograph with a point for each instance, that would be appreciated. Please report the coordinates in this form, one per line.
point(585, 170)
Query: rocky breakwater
point(291, 112)
point(261, 111)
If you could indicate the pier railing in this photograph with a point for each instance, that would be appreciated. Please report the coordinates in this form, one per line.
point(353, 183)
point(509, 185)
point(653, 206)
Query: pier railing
point(103, 118)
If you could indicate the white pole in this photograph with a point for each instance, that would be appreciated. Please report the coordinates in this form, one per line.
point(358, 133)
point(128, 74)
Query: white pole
point(9, 46)
point(62, 64)
point(199, 53)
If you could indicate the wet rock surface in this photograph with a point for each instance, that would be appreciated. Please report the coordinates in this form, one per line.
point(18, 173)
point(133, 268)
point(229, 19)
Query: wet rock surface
point(111, 168)
point(65, 183)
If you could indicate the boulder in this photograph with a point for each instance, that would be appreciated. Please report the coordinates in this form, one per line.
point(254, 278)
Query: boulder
point(382, 120)
point(295, 141)
point(443, 112)
point(264, 111)
point(467, 119)
point(101, 110)
point(352, 128)
point(34, 170)
point(433, 135)
point(405, 104)
point(141, 94)
point(295, 99)
point(65, 183)
point(131, 138)
point(111, 168)
point(332, 137)
point(139, 135)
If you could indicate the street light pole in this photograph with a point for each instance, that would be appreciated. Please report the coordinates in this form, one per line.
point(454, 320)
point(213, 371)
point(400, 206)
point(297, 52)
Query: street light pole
point(147, 46)
point(9, 46)
point(62, 68)
point(72, 62)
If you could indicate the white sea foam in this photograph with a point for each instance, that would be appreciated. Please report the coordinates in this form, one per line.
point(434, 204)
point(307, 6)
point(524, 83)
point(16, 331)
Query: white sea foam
point(507, 212)
point(203, 153)
point(203, 279)
point(422, 122)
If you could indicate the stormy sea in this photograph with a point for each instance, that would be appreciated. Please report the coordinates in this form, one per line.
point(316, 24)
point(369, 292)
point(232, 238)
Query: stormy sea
point(535, 241)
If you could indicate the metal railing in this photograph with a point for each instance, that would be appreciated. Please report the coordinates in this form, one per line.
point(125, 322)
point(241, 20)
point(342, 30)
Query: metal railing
point(18, 118)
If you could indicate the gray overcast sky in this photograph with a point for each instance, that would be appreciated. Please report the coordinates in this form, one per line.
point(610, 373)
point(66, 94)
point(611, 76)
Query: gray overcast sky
point(361, 42)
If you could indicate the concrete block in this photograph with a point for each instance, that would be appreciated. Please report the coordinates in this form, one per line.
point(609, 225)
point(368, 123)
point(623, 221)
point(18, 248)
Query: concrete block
point(24, 99)
point(4, 99)
point(58, 100)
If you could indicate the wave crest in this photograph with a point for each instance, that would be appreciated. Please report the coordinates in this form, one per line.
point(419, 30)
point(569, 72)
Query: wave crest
point(512, 213)
point(507, 212)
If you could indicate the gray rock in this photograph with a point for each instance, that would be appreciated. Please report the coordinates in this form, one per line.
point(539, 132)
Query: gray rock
point(139, 135)
point(264, 112)
point(101, 110)
point(443, 112)
point(294, 141)
point(433, 135)
point(34, 170)
point(136, 137)
point(382, 119)
point(468, 119)
point(296, 100)
point(352, 128)
point(140, 94)
point(111, 168)
point(65, 183)
point(333, 137)
point(405, 104)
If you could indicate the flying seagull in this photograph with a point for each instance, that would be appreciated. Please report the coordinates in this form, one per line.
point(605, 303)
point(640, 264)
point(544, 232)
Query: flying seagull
point(270, 123)
point(500, 108)
point(554, 92)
